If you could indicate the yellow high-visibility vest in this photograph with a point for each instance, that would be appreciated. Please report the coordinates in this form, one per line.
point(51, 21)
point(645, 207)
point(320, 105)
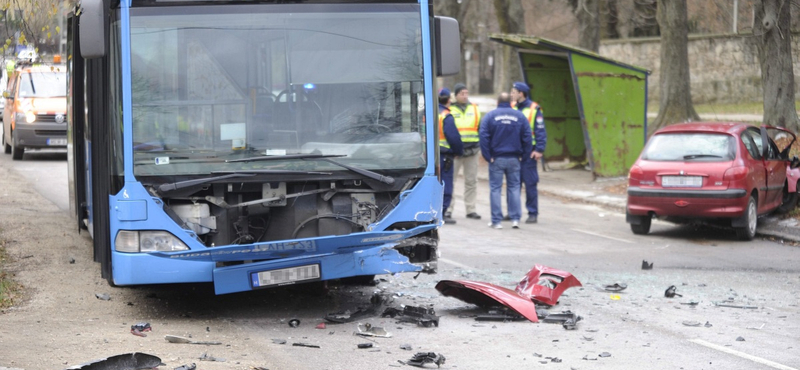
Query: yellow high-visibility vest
point(467, 122)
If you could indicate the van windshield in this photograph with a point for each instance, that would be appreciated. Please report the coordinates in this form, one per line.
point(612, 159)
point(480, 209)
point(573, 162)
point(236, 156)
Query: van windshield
point(43, 85)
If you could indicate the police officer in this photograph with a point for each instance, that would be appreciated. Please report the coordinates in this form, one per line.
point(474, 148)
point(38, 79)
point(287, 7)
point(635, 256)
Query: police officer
point(520, 93)
point(467, 118)
point(450, 146)
point(505, 141)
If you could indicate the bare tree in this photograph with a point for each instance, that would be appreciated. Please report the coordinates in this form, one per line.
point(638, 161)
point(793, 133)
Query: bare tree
point(511, 20)
point(458, 10)
point(588, 14)
point(643, 20)
point(676, 97)
point(771, 28)
point(609, 19)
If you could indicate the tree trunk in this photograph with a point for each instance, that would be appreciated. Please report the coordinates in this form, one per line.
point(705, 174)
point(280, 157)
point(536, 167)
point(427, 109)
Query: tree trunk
point(771, 27)
point(676, 97)
point(588, 13)
point(511, 20)
point(610, 19)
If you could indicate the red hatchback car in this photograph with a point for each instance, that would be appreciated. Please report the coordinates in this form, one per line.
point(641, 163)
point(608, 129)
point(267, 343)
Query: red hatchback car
point(729, 172)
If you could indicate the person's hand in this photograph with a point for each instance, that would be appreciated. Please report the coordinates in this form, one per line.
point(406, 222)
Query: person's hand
point(536, 155)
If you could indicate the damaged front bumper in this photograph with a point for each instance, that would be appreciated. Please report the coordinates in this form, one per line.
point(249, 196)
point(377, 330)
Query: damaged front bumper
point(540, 285)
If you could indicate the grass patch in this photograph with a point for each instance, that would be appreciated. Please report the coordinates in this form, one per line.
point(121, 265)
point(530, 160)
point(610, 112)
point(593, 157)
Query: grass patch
point(10, 291)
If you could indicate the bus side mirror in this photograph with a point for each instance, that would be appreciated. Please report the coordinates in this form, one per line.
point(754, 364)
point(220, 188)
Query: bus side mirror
point(92, 29)
point(448, 46)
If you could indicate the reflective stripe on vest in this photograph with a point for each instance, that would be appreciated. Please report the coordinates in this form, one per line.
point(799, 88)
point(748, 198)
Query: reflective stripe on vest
point(442, 139)
point(467, 122)
point(530, 113)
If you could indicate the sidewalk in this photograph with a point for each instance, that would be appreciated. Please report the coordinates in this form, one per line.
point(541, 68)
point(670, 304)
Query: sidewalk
point(577, 184)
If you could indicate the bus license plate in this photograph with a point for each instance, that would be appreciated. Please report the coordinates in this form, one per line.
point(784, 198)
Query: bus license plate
point(682, 181)
point(58, 141)
point(285, 276)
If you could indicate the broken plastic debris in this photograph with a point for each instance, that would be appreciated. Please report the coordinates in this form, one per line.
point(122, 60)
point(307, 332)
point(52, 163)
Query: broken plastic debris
point(365, 345)
point(207, 357)
point(177, 339)
point(294, 323)
point(128, 361)
point(604, 354)
point(615, 297)
point(647, 266)
point(670, 292)
point(406, 347)
point(503, 315)
point(708, 324)
point(691, 323)
point(541, 284)
point(377, 301)
point(191, 366)
point(138, 329)
point(279, 341)
point(422, 316)
point(740, 339)
point(690, 303)
point(103, 296)
point(367, 330)
point(568, 319)
point(422, 358)
point(616, 287)
point(320, 325)
point(734, 306)
point(305, 345)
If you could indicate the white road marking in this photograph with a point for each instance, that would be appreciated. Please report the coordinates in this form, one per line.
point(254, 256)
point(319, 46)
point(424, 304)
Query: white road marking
point(760, 360)
point(603, 236)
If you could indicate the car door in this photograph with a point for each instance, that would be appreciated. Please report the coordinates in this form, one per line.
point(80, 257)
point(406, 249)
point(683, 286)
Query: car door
point(775, 162)
point(755, 164)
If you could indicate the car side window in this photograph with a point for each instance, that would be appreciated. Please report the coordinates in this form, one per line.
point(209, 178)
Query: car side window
point(753, 146)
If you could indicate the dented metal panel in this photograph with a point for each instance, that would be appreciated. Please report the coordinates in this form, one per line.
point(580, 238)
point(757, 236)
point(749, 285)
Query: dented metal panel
point(613, 109)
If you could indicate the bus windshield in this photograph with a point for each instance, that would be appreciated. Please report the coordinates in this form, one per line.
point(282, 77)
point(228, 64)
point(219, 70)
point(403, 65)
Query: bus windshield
point(211, 84)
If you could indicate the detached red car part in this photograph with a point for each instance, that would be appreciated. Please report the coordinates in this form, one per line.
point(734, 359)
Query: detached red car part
point(541, 284)
point(729, 173)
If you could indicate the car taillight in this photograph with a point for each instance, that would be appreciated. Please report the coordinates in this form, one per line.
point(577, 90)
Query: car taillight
point(735, 173)
point(635, 174)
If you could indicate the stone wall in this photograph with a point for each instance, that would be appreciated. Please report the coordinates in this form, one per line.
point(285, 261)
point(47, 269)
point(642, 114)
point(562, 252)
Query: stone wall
point(723, 68)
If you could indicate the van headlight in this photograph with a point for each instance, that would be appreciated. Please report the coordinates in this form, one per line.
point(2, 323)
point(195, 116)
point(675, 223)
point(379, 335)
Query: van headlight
point(131, 241)
point(30, 117)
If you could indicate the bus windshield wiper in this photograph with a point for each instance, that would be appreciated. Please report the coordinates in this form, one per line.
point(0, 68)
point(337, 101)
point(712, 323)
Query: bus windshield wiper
point(270, 172)
point(694, 156)
point(187, 183)
point(322, 157)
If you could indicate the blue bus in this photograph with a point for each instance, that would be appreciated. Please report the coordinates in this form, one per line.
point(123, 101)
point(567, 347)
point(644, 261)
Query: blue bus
point(254, 144)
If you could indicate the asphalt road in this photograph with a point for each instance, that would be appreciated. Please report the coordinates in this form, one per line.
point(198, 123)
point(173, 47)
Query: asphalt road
point(638, 327)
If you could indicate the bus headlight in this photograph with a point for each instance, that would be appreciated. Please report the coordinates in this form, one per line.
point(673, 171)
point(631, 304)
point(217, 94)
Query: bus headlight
point(148, 241)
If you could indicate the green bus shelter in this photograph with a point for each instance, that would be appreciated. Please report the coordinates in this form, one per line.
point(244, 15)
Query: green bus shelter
point(595, 108)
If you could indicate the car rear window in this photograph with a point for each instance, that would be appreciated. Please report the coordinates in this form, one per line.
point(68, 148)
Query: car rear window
point(705, 147)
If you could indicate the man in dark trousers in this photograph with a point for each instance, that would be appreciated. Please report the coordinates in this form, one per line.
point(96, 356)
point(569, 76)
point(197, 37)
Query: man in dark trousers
point(520, 93)
point(505, 138)
point(450, 146)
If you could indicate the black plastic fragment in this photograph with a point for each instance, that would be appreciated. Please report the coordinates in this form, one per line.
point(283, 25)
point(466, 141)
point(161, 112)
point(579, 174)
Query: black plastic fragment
point(647, 266)
point(616, 287)
point(500, 315)
point(365, 345)
point(568, 319)
point(294, 323)
point(305, 345)
point(422, 316)
point(670, 292)
point(128, 361)
point(422, 358)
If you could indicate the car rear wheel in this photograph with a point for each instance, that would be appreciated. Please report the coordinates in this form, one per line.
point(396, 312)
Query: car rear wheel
point(748, 232)
point(6, 147)
point(643, 227)
point(16, 151)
